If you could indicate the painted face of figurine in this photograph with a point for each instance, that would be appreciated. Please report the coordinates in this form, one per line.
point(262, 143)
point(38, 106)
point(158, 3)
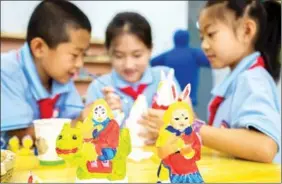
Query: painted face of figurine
point(180, 119)
point(69, 141)
point(100, 113)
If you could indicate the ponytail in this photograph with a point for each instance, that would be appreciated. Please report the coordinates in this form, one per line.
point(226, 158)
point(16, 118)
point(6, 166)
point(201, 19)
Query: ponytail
point(269, 38)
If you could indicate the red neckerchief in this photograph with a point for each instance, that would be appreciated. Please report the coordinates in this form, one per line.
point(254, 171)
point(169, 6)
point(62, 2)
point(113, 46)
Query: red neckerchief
point(131, 92)
point(214, 105)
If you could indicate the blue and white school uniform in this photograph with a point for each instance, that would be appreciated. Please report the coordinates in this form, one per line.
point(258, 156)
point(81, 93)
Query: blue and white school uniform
point(248, 99)
point(21, 90)
point(150, 78)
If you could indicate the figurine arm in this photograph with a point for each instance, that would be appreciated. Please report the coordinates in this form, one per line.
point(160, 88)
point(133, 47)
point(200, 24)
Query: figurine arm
point(112, 139)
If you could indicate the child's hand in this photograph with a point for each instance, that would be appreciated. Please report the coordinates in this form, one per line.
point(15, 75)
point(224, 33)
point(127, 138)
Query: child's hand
point(83, 115)
point(152, 121)
point(86, 111)
point(112, 98)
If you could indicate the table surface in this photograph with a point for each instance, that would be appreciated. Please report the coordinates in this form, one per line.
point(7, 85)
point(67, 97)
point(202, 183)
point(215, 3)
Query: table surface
point(214, 167)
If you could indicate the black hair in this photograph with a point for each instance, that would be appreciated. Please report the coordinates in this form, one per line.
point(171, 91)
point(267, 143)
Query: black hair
point(51, 19)
point(129, 22)
point(267, 14)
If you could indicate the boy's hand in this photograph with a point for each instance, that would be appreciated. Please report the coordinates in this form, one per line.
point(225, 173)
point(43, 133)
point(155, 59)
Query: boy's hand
point(112, 98)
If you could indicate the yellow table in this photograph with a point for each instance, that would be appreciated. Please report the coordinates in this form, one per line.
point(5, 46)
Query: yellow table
point(214, 167)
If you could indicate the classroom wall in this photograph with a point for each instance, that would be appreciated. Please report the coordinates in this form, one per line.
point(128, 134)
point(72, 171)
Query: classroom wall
point(170, 16)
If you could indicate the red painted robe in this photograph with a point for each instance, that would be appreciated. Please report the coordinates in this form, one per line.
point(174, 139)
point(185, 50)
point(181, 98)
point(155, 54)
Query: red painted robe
point(178, 164)
point(107, 138)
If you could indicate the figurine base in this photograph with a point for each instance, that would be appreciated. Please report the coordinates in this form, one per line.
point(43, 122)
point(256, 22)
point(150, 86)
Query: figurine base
point(125, 180)
point(166, 181)
point(137, 154)
point(51, 163)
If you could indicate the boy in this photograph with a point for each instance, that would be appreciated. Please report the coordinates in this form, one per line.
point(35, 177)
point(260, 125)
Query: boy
point(36, 80)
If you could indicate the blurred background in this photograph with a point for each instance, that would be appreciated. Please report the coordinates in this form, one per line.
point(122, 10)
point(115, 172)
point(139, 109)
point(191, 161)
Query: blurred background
point(165, 18)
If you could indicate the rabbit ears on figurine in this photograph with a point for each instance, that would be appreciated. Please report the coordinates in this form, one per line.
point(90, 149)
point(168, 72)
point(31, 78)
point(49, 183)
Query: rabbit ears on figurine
point(185, 95)
point(167, 85)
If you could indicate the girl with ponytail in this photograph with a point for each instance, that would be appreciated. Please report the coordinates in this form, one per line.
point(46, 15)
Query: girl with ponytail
point(244, 112)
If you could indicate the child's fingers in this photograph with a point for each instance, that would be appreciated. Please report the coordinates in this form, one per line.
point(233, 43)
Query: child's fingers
point(155, 122)
point(149, 135)
point(113, 101)
point(147, 123)
point(152, 112)
point(145, 117)
point(111, 97)
point(84, 113)
point(149, 126)
point(155, 113)
point(115, 106)
point(108, 89)
point(152, 129)
point(150, 142)
point(145, 135)
point(73, 124)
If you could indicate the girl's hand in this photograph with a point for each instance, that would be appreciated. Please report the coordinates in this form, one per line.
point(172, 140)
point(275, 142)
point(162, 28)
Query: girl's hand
point(113, 100)
point(152, 121)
